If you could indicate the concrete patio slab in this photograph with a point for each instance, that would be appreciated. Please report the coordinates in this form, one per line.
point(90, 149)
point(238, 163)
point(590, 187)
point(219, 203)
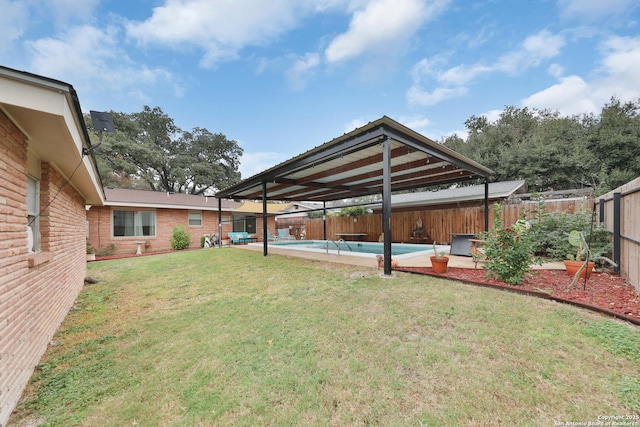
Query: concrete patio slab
point(417, 261)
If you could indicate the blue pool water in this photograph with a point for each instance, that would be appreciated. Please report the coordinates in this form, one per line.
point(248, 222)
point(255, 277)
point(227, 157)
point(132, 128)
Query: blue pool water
point(358, 248)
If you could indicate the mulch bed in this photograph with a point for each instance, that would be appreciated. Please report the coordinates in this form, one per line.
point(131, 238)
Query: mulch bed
point(604, 292)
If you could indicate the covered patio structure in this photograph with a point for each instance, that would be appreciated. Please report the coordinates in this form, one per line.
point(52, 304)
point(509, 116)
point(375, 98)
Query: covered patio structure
point(381, 157)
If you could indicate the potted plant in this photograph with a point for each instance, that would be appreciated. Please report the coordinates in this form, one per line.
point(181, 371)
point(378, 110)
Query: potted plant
point(581, 264)
point(439, 261)
point(226, 240)
point(380, 259)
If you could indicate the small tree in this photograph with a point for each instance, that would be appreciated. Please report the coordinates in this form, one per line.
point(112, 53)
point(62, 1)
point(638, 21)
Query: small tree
point(181, 239)
point(509, 251)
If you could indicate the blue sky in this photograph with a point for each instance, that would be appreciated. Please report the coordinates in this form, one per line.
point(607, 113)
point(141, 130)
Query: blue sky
point(283, 76)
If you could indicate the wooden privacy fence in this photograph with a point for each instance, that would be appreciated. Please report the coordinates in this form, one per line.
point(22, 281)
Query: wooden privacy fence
point(439, 223)
point(619, 211)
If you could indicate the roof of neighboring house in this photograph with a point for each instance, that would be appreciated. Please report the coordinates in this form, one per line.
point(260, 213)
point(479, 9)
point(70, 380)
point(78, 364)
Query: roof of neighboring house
point(48, 112)
point(160, 199)
point(497, 190)
point(256, 207)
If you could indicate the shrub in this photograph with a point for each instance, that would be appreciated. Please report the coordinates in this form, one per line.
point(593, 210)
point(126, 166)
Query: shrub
point(109, 250)
point(550, 230)
point(181, 239)
point(509, 251)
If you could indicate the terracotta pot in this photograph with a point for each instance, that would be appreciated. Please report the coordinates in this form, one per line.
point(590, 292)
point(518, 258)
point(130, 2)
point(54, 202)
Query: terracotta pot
point(394, 263)
point(573, 267)
point(439, 264)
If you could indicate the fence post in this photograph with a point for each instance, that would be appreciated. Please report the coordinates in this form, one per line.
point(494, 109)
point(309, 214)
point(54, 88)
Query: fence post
point(486, 204)
point(601, 205)
point(616, 230)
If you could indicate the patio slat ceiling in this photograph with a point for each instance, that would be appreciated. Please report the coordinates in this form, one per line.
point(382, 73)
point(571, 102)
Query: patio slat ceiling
point(352, 166)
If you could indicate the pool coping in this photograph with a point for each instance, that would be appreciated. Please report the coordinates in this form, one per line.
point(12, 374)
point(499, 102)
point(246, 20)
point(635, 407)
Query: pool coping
point(427, 252)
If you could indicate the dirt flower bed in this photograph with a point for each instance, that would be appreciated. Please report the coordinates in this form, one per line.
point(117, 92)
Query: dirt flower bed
point(603, 291)
point(134, 255)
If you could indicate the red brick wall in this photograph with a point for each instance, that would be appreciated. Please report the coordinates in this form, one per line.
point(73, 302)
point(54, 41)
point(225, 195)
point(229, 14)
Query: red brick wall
point(99, 218)
point(33, 299)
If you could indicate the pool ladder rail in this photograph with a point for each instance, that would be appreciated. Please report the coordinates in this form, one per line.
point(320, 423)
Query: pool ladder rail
point(337, 245)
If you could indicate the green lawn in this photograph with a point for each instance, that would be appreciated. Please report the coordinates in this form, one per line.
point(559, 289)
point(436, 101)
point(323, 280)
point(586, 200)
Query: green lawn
point(229, 337)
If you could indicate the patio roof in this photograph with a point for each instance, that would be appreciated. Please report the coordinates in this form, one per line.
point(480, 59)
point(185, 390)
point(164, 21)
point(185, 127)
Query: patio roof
point(379, 158)
point(352, 165)
point(255, 207)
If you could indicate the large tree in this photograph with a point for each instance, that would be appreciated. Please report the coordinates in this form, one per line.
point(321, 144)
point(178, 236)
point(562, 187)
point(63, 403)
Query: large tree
point(554, 152)
point(149, 151)
point(614, 138)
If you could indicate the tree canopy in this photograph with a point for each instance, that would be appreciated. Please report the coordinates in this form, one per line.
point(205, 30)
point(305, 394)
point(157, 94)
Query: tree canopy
point(547, 150)
point(148, 151)
point(554, 152)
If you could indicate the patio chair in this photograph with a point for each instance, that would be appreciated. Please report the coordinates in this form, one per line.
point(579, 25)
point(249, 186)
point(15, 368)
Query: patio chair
point(283, 234)
point(271, 238)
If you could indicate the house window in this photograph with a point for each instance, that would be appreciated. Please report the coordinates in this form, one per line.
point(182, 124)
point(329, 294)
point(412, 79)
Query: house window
point(244, 223)
point(195, 218)
point(134, 223)
point(33, 217)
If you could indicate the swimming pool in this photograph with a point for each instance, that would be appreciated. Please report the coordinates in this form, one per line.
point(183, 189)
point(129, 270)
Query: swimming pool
point(365, 249)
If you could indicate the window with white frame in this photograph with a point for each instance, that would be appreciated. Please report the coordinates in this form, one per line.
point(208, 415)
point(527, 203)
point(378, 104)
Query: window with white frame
point(195, 218)
point(133, 223)
point(33, 217)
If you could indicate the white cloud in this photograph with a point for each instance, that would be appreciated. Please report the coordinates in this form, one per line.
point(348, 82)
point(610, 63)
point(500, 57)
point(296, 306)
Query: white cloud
point(492, 115)
point(535, 49)
point(594, 10)
point(301, 69)
point(556, 70)
point(418, 123)
point(67, 11)
point(570, 97)
point(427, 67)
point(454, 82)
point(220, 28)
point(463, 74)
point(253, 163)
point(380, 25)
point(620, 69)
point(355, 124)
point(92, 58)
point(13, 20)
point(617, 76)
point(418, 96)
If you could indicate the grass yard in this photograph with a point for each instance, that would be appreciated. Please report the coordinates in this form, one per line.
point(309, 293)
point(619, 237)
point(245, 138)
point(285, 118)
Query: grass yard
point(229, 337)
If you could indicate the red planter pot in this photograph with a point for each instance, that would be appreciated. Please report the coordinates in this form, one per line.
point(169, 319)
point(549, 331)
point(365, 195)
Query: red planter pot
point(573, 267)
point(439, 264)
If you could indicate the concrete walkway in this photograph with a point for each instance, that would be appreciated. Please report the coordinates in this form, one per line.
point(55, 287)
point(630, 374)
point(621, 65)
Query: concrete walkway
point(417, 261)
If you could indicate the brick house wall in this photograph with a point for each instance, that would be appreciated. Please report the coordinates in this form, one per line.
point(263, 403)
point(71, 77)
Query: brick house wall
point(100, 229)
point(36, 290)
